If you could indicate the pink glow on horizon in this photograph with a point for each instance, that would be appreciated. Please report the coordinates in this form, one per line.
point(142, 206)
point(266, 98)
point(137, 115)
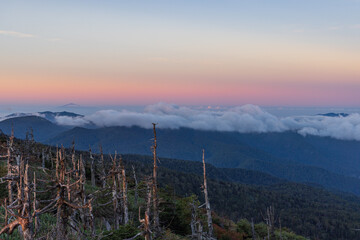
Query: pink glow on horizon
point(135, 91)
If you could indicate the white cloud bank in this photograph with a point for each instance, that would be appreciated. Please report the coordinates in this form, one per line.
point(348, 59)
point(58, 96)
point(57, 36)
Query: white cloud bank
point(243, 119)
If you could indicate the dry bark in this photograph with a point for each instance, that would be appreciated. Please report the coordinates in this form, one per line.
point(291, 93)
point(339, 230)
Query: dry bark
point(136, 187)
point(156, 221)
point(115, 194)
point(124, 195)
point(92, 169)
point(207, 203)
point(102, 168)
point(146, 220)
point(196, 226)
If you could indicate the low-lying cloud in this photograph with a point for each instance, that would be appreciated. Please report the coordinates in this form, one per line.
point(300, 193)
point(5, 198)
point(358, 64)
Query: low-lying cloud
point(243, 119)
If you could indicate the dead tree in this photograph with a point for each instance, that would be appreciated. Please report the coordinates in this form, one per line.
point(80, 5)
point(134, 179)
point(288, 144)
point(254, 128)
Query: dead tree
point(136, 187)
point(22, 204)
point(26, 223)
point(196, 226)
point(120, 191)
point(145, 222)
point(57, 163)
point(10, 166)
point(114, 190)
point(81, 189)
point(207, 203)
point(156, 221)
point(31, 135)
point(35, 207)
point(102, 169)
point(43, 158)
point(65, 190)
point(49, 156)
point(70, 196)
point(73, 160)
point(92, 168)
point(124, 194)
point(62, 213)
point(269, 219)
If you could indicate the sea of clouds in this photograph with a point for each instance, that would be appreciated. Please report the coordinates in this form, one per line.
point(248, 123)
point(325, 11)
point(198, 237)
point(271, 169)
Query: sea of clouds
point(243, 119)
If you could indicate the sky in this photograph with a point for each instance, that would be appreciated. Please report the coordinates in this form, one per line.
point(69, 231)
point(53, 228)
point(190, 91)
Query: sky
point(229, 53)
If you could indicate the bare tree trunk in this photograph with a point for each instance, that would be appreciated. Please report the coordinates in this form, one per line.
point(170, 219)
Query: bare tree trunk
point(92, 169)
point(196, 227)
point(26, 223)
point(136, 187)
point(193, 221)
point(73, 160)
point(146, 220)
point(49, 157)
point(24, 216)
point(207, 203)
point(35, 207)
point(82, 189)
point(271, 222)
point(154, 186)
point(124, 196)
point(61, 215)
point(91, 218)
point(9, 165)
point(43, 158)
point(115, 194)
point(106, 223)
point(120, 191)
point(57, 163)
point(6, 219)
point(103, 174)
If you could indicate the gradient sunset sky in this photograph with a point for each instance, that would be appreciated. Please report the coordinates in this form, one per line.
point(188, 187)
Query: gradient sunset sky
point(264, 52)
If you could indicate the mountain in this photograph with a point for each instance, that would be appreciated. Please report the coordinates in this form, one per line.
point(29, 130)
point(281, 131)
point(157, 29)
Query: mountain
point(70, 105)
point(43, 129)
point(308, 210)
point(52, 115)
point(334, 114)
point(47, 115)
point(15, 115)
point(268, 153)
point(237, 175)
point(332, 163)
point(340, 156)
point(311, 211)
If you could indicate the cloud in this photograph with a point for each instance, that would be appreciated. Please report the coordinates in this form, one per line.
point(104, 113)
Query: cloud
point(71, 121)
point(345, 128)
point(16, 34)
point(26, 35)
point(242, 119)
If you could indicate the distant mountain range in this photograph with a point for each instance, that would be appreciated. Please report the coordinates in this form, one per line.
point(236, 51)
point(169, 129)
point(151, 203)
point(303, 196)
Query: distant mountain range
point(47, 115)
point(70, 105)
point(43, 129)
point(334, 114)
point(334, 164)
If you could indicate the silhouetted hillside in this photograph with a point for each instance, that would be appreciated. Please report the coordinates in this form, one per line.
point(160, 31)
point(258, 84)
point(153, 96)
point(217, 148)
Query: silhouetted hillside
point(269, 153)
point(43, 129)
